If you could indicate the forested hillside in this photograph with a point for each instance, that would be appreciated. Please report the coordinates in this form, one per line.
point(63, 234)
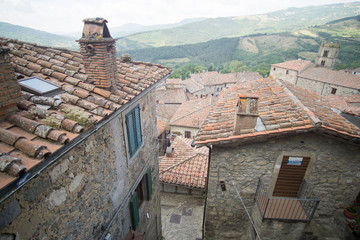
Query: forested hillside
point(257, 52)
point(291, 19)
point(8, 30)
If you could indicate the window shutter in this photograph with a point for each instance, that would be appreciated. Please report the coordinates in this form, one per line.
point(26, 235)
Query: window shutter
point(138, 126)
point(134, 211)
point(149, 184)
point(130, 130)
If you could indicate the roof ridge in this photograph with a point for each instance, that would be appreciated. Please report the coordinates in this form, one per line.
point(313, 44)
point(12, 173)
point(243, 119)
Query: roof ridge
point(177, 164)
point(315, 121)
point(190, 113)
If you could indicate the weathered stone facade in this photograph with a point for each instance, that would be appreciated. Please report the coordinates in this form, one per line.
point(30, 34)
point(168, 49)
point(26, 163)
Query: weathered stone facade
point(182, 130)
point(324, 88)
point(85, 193)
point(334, 174)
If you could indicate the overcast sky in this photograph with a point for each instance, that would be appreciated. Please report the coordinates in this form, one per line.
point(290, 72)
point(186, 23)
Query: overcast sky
point(64, 16)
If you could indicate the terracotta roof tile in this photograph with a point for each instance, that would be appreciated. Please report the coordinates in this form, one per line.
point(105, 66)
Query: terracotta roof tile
point(187, 166)
point(282, 107)
point(296, 65)
point(338, 78)
point(30, 135)
point(192, 113)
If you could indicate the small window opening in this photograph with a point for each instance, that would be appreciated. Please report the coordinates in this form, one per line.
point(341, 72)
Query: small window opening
point(326, 52)
point(287, 71)
point(333, 90)
point(274, 69)
point(323, 63)
point(222, 185)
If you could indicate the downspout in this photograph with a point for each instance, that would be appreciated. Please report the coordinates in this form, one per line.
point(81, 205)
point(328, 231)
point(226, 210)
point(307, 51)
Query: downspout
point(206, 192)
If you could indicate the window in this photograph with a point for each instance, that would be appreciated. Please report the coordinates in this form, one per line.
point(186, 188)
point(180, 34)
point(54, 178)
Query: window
point(142, 192)
point(287, 71)
point(326, 52)
point(39, 86)
point(187, 134)
point(323, 63)
point(333, 90)
point(274, 69)
point(133, 127)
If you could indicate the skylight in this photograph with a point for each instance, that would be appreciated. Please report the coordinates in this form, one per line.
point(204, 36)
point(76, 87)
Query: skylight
point(38, 86)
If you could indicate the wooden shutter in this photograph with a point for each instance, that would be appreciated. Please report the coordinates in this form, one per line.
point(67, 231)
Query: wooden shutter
point(134, 210)
point(290, 178)
point(130, 130)
point(149, 184)
point(138, 126)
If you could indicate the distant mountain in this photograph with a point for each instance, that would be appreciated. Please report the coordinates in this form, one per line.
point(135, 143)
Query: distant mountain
point(132, 28)
point(258, 51)
point(290, 19)
point(8, 30)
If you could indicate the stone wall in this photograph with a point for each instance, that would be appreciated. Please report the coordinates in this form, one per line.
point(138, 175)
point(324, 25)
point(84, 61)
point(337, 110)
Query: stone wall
point(335, 175)
point(182, 130)
point(171, 188)
point(280, 73)
point(82, 192)
point(324, 88)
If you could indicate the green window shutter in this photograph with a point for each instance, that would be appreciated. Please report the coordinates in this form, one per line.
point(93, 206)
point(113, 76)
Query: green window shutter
point(134, 211)
point(133, 127)
point(130, 130)
point(138, 126)
point(149, 184)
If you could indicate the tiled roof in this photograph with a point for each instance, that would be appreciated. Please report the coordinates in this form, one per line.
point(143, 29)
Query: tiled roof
point(192, 86)
point(166, 111)
point(34, 133)
point(296, 65)
point(192, 113)
point(187, 166)
point(171, 95)
point(339, 78)
point(215, 78)
point(283, 108)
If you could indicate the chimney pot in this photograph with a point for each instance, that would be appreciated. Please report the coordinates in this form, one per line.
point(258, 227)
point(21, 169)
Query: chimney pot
point(9, 87)
point(99, 53)
point(246, 112)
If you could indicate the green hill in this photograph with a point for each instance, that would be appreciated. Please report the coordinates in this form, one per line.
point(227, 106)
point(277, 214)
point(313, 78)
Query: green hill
point(258, 51)
point(8, 30)
point(290, 19)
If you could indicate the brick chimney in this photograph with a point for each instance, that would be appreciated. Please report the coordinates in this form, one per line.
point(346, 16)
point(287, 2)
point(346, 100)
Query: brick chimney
point(10, 92)
point(246, 112)
point(99, 53)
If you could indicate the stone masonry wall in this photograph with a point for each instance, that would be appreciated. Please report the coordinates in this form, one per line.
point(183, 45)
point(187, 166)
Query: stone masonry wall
point(324, 88)
point(78, 195)
point(280, 73)
point(335, 176)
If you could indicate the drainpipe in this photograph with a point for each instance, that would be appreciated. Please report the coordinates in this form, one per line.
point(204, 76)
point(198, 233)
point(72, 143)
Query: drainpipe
point(206, 192)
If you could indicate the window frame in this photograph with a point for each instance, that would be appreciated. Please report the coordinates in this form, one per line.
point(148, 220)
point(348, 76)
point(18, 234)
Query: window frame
point(333, 90)
point(133, 129)
point(145, 189)
point(187, 133)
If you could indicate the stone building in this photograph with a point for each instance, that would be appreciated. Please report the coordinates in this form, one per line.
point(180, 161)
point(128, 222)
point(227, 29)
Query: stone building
point(279, 152)
point(327, 55)
point(190, 116)
point(184, 168)
point(318, 79)
point(212, 83)
point(78, 143)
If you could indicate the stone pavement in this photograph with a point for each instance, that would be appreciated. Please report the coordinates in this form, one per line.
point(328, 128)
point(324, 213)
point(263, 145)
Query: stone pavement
point(181, 216)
